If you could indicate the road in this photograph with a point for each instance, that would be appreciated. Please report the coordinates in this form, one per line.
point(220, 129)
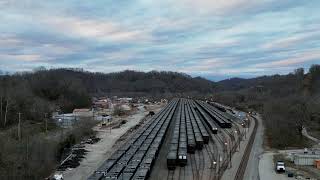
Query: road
point(305, 133)
point(252, 170)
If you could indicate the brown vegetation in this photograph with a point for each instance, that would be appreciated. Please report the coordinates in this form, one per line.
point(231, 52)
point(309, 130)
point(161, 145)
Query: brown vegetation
point(287, 102)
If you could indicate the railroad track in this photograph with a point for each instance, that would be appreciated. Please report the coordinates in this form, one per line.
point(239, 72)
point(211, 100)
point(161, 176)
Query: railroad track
point(194, 167)
point(182, 173)
point(170, 175)
point(201, 164)
point(244, 161)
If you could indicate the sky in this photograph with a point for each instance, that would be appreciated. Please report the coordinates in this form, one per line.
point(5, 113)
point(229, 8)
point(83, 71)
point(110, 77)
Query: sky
point(215, 39)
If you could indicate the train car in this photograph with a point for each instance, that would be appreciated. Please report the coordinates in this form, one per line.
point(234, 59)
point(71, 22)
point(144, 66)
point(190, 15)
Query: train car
point(96, 176)
point(182, 156)
point(221, 120)
point(106, 166)
point(213, 128)
point(115, 171)
point(199, 141)
point(141, 174)
point(216, 117)
point(172, 160)
point(198, 122)
point(191, 146)
point(126, 176)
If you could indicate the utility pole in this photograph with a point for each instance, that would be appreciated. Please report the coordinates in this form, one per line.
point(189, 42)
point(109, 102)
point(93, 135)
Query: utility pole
point(19, 127)
point(46, 122)
point(1, 104)
point(6, 112)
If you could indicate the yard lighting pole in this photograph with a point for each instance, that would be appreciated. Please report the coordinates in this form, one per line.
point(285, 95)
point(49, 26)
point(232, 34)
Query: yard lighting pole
point(46, 122)
point(61, 122)
point(215, 168)
point(238, 135)
point(19, 127)
point(230, 155)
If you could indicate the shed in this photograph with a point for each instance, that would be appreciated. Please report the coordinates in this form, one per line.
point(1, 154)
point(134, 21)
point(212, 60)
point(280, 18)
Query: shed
point(305, 159)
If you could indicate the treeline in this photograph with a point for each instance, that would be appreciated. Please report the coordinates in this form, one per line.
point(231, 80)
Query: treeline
point(287, 102)
point(36, 94)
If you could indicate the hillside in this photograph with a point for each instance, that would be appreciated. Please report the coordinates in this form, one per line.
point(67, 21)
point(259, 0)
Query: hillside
point(42, 91)
point(286, 102)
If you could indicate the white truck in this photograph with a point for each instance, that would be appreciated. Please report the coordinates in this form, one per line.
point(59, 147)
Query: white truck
point(280, 168)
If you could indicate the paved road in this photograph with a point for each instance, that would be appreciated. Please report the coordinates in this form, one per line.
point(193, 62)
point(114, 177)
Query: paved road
point(305, 133)
point(252, 171)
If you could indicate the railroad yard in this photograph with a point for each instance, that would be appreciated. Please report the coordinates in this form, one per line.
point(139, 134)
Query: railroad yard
point(187, 139)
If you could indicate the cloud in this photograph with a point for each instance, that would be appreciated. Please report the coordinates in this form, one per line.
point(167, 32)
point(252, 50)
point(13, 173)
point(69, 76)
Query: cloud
point(290, 41)
point(207, 37)
point(102, 30)
point(294, 60)
point(20, 57)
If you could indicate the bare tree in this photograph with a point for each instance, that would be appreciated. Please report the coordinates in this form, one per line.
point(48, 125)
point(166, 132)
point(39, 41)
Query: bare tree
point(6, 112)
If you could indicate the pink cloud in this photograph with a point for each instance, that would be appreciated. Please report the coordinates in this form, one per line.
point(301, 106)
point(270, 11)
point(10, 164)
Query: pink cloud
point(103, 30)
point(297, 59)
point(21, 57)
point(289, 41)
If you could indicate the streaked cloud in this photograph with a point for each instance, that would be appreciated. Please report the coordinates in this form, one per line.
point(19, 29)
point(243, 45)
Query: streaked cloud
point(298, 59)
point(211, 38)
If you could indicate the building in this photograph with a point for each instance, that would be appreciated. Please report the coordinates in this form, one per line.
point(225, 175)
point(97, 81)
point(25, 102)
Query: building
point(124, 100)
point(64, 120)
point(83, 112)
point(307, 159)
point(103, 103)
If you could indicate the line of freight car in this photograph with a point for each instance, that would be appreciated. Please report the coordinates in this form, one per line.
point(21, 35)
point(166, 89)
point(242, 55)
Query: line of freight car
point(194, 115)
point(220, 121)
point(109, 163)
point(207, 119)
point(182, 150)
point(137, 148)
point(196, 131)
point(191, 142)
point(228, 113)
point(114, 165)
point(222, 115)
point(218, 106)
point(148, 160)
point(226, 117)
point(147, 163)
point(172, 159)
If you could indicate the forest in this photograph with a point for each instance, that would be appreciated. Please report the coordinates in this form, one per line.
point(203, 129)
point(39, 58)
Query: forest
point(286, 103)
point(42, 91)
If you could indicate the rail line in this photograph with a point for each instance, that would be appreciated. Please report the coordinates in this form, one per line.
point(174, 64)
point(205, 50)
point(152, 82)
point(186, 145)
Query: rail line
point(170, 175)
point(201, 164)
point(193, 167)
point(182, 173)
point(244, 161)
